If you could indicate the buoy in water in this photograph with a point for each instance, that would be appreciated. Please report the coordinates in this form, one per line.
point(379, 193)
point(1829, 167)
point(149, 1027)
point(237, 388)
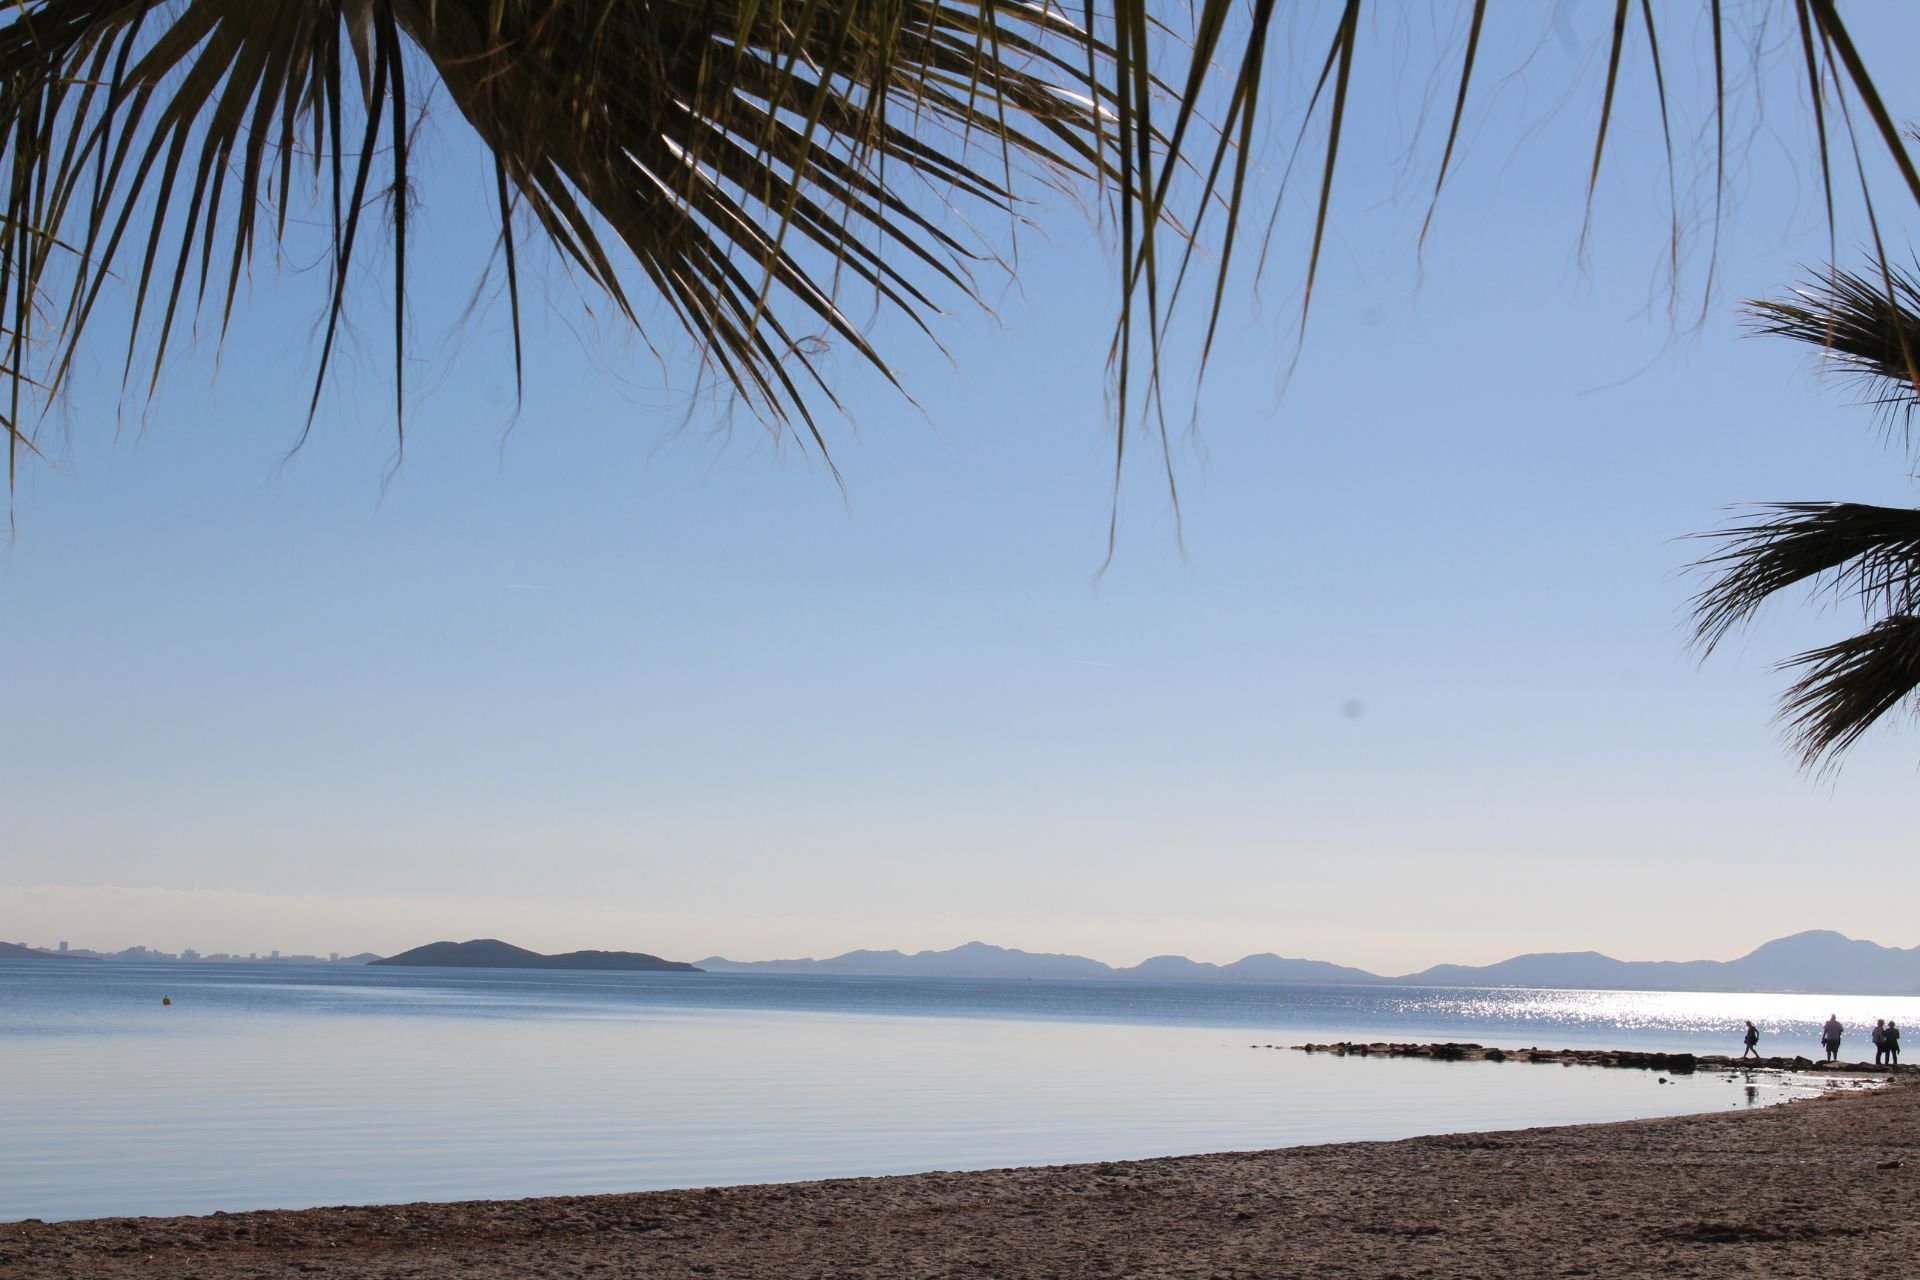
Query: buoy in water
point(166, 999)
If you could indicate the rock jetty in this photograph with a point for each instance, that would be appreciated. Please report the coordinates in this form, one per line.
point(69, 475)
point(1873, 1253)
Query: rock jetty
point(1678, 1064)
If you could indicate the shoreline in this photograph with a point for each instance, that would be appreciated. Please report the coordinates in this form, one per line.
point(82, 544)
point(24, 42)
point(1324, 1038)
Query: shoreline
point(1817, 1186)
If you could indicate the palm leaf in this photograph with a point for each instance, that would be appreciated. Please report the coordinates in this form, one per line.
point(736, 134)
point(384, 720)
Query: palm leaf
point(1834, 70)
point(1869, 328)
point(1845, 688)
point(727, 153)
point(1872, 552)
point(750, 163)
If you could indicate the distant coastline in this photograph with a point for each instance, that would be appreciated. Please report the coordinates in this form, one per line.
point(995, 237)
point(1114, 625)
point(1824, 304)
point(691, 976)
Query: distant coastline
point(20, 951)
point(1816, 961)
point(148, 955)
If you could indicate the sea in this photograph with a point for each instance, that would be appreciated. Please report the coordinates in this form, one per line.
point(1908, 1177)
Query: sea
point(155, 1089)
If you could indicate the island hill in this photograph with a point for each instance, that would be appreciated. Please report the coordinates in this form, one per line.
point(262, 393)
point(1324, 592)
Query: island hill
point(491, 953)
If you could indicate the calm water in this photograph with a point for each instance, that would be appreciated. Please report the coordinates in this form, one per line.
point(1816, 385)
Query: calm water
point(282, 1086)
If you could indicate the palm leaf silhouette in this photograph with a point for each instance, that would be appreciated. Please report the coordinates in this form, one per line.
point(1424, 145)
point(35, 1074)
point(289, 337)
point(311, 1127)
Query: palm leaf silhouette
point(1847, 686)
point(745, 161)
point(1869, 330)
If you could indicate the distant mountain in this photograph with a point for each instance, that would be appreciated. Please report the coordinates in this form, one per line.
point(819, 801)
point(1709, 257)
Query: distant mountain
point(1267, 967)
point(1818, 960)
point(1822, 960)
point(1171, 969)
point(981, 960)
point(18, 951)
point(491, 953)
point(973, 960)
point(1577, 969)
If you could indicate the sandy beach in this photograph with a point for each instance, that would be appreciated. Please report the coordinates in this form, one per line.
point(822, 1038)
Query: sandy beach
point(1821, 1187)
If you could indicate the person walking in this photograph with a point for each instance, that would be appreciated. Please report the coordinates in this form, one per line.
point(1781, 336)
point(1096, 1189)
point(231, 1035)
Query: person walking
point(1892, 1038)
point(1879, 1041)
point(1830, 1037)
point(1752, 1041)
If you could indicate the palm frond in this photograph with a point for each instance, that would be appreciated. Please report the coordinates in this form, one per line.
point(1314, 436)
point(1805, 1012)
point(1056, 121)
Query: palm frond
point(1845, 688)
point(751, 162)
point(1833, 68)
point(1869, 327)
point(1872, 552)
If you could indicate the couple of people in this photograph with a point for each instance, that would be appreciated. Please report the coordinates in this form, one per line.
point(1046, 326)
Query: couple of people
point(1886, 1043)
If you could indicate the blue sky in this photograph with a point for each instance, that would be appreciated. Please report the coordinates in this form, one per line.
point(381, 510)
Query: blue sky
point(1413, 688)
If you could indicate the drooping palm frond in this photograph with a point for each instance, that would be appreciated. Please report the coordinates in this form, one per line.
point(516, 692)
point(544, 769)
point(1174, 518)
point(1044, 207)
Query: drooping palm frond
point(745, 161)
point(1872, 552)
point(748, 159)
point(1836, 74)
point(1844, 688)
point(1870, 328)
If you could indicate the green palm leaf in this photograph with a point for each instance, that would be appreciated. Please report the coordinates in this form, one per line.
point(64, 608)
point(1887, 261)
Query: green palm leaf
point(747, 159)
point(747, 162)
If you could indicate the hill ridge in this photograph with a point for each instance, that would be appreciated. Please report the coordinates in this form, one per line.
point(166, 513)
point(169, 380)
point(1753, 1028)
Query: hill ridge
point(1813, 960)
point(491, 953)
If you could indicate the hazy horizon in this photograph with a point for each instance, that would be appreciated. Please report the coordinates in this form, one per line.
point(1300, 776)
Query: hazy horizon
point(564, 933)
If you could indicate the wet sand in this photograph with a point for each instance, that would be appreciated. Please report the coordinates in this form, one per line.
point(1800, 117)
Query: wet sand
point(1824, 1187)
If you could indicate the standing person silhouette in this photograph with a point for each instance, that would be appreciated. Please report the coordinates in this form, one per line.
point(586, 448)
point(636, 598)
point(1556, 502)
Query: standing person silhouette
point(1830, 1036)
point(1752, 1041)
point(1892, 1038)
point(1879, 1041)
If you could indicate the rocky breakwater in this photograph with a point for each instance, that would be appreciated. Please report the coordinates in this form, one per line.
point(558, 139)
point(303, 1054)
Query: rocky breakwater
point(1671, 1063)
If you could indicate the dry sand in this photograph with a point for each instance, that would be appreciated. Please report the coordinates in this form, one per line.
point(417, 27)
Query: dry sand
point(1818, 1188)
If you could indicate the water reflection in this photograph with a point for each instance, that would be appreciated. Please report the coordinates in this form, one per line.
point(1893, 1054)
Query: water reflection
point(274, 1089)
point(61, 998)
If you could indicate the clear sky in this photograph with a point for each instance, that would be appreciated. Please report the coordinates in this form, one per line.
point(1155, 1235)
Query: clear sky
point(1415, 688)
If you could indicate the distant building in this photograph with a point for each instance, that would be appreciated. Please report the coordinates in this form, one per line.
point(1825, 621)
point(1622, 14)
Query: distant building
point(63, 948)
point(274, 956)
point(189, 954)
point(333, 957)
